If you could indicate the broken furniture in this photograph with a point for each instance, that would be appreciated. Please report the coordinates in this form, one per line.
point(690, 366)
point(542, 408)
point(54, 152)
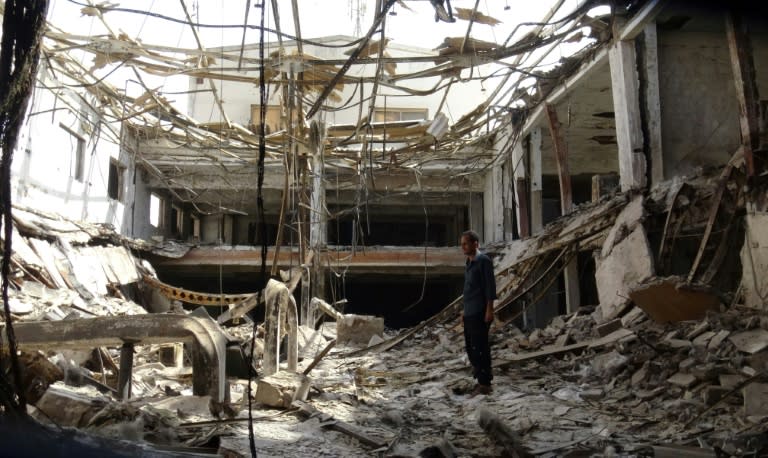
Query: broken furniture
point(207, 342)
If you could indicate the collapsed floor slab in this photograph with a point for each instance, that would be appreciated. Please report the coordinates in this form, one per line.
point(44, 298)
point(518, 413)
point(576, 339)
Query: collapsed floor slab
point(207, 342)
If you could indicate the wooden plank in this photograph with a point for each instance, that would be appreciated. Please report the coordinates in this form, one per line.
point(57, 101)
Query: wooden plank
point(742, 62)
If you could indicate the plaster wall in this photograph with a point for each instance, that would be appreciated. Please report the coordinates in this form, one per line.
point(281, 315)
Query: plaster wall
point(699, 111)
point(44, 167)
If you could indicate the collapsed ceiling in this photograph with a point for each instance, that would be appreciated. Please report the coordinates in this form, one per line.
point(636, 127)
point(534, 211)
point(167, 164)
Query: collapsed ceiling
point(179, 152)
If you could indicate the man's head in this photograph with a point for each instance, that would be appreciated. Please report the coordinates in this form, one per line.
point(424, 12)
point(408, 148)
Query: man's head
point(469, 243)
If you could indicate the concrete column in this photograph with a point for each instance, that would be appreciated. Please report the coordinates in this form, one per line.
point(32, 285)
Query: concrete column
point(493, 205)
point(476, 213)
point(626, 106)
point(534, 158)
point(519, 171)
point(652, 101)
point(314, 276)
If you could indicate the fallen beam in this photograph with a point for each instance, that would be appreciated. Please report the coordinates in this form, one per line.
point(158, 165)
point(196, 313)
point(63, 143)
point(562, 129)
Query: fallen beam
point(208, 343)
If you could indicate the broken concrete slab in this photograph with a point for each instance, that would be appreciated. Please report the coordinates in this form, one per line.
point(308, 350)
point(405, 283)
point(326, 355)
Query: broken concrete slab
point(670, 299)
point(626, 222)
point(282, 388)
point(756, 399)
point(358, 329)
point(627, 265)
point(751, 341)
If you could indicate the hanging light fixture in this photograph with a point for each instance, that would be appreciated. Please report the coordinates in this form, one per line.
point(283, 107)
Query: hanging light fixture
point(506, 6)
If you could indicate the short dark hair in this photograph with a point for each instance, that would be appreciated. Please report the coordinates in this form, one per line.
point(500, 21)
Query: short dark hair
point(471, 235)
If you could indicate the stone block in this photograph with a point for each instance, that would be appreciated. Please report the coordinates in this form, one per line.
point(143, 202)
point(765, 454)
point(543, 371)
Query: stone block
point(358, 329)
point(282, 388)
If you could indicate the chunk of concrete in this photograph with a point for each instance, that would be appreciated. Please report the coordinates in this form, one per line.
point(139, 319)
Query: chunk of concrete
point(683, 380)
point(627, 265)
point(608, 364)
point(751, 341)
point(282, 388)
point(358, 329)
point(756, 399)
point(67, 408)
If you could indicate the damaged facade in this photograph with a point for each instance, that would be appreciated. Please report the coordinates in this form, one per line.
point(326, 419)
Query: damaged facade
point(165, 292)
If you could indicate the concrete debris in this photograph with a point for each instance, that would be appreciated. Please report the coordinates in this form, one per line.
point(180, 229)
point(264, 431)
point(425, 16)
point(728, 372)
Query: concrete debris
point(627, 264)
point(756, 399)
point(657, 362)
point(751, 341)
point(359, 329)
point(281, 389)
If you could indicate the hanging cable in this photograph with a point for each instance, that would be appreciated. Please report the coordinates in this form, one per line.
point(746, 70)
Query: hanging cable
point(263, 97)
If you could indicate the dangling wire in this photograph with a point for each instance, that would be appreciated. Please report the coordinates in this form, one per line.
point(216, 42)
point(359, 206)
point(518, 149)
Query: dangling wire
point(263, 97)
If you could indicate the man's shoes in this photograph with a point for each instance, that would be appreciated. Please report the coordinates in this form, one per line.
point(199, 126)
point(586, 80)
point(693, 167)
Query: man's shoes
point(481, 390)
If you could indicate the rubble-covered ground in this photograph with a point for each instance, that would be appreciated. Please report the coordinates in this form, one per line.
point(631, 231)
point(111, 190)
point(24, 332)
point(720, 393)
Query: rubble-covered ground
point(664, 366)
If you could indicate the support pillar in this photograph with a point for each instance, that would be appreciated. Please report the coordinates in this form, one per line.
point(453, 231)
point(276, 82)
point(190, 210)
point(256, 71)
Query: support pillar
point(571, 272)
point(652, 101)
point(126, 371)
point(534, 160)
point(520, 189)
point(626, 106)
point(314, 275)
point(493, 206)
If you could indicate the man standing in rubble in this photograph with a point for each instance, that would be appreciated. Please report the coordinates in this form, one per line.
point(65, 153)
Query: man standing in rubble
point(479, 294)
